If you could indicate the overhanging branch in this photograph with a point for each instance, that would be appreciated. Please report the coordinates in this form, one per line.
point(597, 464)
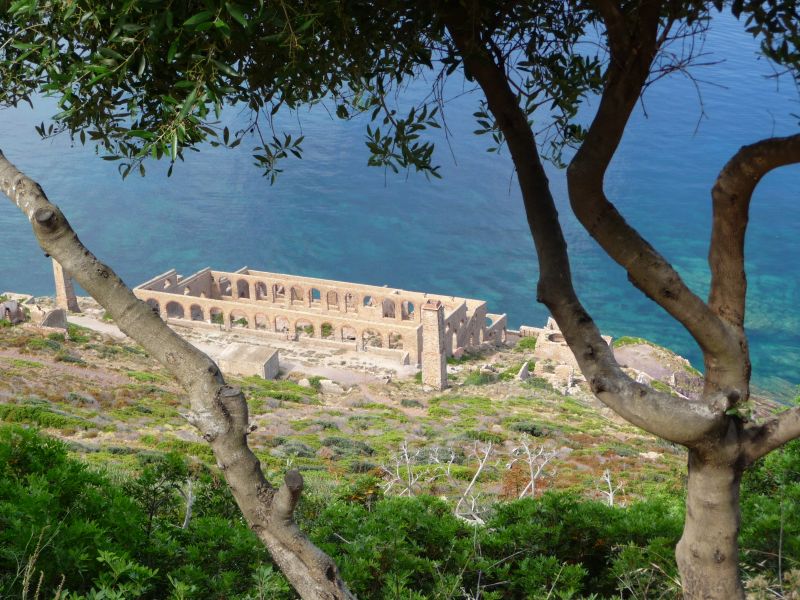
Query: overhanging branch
point(218, 410)
point(763, 439)
point(675, 419)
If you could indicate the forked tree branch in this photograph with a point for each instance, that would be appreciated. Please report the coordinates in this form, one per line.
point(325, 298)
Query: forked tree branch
point(626, 76)
point(763, 439)
point(731, 197)
point(679, 420)
point(218, 410)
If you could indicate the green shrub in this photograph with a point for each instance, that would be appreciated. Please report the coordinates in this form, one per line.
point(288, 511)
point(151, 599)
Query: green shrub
point(484, 436)
point(526, 344)
point(39, 415)
point(478, 378)
point(43, 344)
point(78, 334)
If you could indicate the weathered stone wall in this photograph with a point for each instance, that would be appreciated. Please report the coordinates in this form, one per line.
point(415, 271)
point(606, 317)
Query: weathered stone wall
point(369, 316)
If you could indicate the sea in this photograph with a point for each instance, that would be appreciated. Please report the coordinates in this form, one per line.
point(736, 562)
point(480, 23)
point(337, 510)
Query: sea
point(330, 215)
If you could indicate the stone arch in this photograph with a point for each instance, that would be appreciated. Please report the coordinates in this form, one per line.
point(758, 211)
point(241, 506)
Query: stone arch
point(281, 324)
point(326, 331)
point(407, 310)
point(332, 300)
point(196, 313)
point(368, 301)
point(278, 292)
point(261, 321)
point(216, 316)
point(175, 310)
point(371, 339)
point(296, 295)
point(395, 341)
point(225, 288)
point(389, 308)
point(349, 334)
point(304, 328)
point(315, 296)
point(261, 290)
point(238, 318)
point(153, 303)
point(243, 288)
point(350, 302)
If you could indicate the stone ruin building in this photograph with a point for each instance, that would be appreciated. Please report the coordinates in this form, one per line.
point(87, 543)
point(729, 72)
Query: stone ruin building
point(381, 320)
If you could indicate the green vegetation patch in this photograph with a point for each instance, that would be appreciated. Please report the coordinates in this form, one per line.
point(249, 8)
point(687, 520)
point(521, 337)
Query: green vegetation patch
point(526, 344)
point(146, 377)
point(288, 391)
point(20, 363)
point(626, 340)
point(40, 415)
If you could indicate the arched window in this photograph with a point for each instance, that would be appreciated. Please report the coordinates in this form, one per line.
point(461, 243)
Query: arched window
point(407, 310)
point(395, 341)
point(304, 328)
point(372, 339)
point(388, 309)
point(261, 321)
point(326, 331)
point(261, 291)
point(238, 319)
point(243, 288)
point(278, 292)
point(315, 296)
point(174, 310)
point(350, 302)
point(196, 313)
point(297, 295)
point(332, 298)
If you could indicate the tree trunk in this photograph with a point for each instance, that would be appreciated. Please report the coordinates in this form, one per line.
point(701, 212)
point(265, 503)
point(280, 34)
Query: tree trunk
point(708, 551)
point(218, 410)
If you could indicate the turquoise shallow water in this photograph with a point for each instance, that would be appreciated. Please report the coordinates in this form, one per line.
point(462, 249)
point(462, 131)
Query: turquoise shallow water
point(331, 216)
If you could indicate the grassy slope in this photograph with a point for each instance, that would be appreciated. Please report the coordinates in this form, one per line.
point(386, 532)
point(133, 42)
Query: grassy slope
point(111, 401)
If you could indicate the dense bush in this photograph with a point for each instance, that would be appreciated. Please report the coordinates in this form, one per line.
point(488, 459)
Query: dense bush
point(59, 518)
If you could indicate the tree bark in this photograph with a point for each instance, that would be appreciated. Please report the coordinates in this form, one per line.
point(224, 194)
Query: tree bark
point(218, 410)
point(708, 551)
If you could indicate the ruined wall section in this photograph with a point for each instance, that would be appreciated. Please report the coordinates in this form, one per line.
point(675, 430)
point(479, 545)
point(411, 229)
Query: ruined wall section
point(369, 317)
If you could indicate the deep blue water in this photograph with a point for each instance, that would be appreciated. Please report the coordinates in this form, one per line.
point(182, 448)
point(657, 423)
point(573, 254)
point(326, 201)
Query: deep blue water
point(331, 216)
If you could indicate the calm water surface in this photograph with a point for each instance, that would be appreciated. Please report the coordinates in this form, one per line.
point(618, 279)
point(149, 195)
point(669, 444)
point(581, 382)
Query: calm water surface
point(332, 216)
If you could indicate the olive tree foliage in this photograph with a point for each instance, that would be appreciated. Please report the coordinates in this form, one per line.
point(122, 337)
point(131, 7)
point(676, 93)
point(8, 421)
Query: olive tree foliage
point(145, 79)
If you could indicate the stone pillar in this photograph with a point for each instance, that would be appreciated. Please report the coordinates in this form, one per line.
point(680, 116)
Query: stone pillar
point(65, 293)
point(434, 362)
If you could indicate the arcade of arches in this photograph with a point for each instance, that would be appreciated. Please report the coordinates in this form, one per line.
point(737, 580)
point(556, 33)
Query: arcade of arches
point(371, 318)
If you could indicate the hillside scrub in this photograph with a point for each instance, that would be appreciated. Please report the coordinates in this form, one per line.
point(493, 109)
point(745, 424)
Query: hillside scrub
point(66, 525)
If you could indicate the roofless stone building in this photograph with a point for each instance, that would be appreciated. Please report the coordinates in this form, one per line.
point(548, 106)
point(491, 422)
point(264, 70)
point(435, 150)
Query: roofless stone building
point(381, 320)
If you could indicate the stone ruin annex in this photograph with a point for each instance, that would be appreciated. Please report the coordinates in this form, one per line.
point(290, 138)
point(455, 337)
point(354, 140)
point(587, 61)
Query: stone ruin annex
point(414, 327)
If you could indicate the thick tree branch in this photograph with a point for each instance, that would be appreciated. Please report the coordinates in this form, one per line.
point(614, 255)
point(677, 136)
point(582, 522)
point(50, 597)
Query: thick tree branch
point(647, 269)
point(731, 197)
point(675, 419)
point(219, 411)
point(763, 439)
